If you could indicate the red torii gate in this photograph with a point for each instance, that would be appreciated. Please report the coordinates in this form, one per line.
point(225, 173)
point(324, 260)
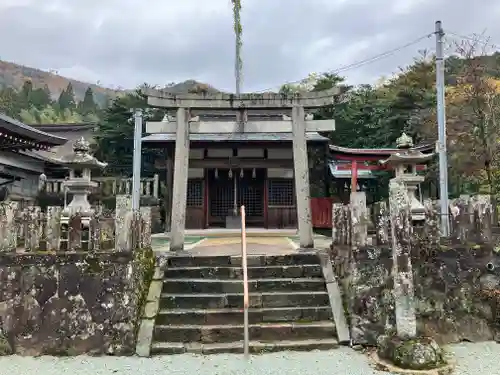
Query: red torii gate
point(353, 164)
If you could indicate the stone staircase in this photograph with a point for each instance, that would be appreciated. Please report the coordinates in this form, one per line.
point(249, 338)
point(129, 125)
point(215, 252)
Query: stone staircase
point(201, 305)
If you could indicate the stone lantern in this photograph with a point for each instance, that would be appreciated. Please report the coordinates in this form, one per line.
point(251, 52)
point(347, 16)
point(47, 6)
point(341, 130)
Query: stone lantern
point(405, 164)
point(80, 184)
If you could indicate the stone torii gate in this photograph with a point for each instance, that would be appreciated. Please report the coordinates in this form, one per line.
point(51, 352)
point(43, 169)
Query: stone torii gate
point(295, 121)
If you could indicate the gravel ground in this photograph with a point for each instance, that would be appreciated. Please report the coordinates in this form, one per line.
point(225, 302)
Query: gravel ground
point(472, 359)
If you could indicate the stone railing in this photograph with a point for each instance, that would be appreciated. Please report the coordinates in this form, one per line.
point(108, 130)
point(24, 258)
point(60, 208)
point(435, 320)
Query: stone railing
point(112, 186)
point(471, 218)
point(31, 230)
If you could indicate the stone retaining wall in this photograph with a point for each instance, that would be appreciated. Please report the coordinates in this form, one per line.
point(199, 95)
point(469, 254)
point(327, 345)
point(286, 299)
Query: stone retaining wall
point(456, 292)
point(72, 303)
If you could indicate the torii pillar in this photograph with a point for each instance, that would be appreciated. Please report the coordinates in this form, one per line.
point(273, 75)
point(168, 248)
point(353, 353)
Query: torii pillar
point(181, 168)
point(301, 174)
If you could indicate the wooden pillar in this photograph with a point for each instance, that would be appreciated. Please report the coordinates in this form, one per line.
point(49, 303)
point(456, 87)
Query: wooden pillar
point(301, 174)
point(326, 159)
point(206, 198)
point(354, 176)
point(266, 200)
point(181, 166)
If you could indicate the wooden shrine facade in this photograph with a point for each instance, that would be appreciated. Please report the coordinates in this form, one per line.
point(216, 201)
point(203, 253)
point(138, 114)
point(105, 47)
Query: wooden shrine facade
point(230, 170)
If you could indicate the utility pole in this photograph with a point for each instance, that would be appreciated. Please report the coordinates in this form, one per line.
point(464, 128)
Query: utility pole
point(136, 176)
point(441, 120)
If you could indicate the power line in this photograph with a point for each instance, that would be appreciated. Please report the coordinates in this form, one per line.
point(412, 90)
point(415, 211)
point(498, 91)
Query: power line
point(364, 61)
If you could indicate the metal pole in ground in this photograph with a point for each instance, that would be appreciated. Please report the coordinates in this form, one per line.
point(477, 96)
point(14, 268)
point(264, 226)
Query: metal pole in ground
point(136, 176)
point(245, 283)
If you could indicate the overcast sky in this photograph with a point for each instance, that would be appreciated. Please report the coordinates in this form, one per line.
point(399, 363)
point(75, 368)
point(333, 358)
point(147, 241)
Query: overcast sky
point(128, 42)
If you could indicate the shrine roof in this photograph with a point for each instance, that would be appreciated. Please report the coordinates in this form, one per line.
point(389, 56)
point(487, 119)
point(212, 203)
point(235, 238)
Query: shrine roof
point(15, 135)
point(234, 137)
point(379, 152)
point(64, 127)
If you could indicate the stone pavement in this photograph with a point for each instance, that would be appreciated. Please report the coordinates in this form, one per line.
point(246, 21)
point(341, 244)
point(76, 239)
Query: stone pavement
point(229, 243)
point(480, 358)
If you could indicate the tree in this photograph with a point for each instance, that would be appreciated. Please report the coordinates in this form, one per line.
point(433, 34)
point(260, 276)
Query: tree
point(115, 135)
point(24, 95)
point(29, 116)
point(474, 115)
point(87, 106)
point(41, 98)
point(67, 98)
point(9, 102)
point(48, 115)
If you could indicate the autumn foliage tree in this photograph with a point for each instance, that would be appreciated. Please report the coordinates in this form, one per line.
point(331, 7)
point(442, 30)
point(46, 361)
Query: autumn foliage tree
point(474, 117)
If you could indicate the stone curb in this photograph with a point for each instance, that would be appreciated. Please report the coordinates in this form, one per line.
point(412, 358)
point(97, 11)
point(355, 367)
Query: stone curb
point(335, 297)
point(145, 334)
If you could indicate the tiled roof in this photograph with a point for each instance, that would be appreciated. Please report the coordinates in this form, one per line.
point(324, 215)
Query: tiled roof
point(375, 151)
point(24, 131)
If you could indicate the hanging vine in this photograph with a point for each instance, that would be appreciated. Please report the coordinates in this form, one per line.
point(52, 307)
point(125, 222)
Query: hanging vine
point(238, 30)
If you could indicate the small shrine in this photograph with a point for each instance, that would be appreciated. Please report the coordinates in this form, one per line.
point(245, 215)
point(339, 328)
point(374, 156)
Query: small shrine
point(405, 164)
point(80, 163)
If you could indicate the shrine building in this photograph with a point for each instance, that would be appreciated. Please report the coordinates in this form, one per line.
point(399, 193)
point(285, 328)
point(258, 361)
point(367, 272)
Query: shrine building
point(227, 170)
point(24, 158)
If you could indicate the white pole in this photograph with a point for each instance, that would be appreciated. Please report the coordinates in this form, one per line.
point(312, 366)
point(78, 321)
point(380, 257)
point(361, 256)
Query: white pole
point(246, 338)
point(136, 176)
point(441, 120)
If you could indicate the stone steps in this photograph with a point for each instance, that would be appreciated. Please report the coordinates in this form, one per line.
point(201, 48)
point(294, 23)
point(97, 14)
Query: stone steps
point(201, 305)
point(234, 316)
point(254, 272)
point(235, 300)
point(255, 347)
point(187, 285)
point(209, 334)
point(296, 259)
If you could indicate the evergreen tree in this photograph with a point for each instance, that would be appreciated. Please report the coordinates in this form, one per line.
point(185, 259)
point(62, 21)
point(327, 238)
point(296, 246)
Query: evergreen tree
point(87, 106)
point(40, 98)
point(67, 99)
point(115, 135)
point(25, 95)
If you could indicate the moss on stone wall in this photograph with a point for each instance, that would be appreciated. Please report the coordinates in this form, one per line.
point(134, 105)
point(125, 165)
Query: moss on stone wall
point(144, 263)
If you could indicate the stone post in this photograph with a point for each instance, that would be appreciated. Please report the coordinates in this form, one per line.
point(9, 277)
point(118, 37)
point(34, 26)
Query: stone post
point(301, 174)
point(53, 228)
point(432, 226)
point(146, 227)
point(483, 217)
point(123, 222)
point(339, 226)
point(181, 165)
point(8, 226)
point(359, 219)
point(404, 300)
point(33, 228)
point(382, 224)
